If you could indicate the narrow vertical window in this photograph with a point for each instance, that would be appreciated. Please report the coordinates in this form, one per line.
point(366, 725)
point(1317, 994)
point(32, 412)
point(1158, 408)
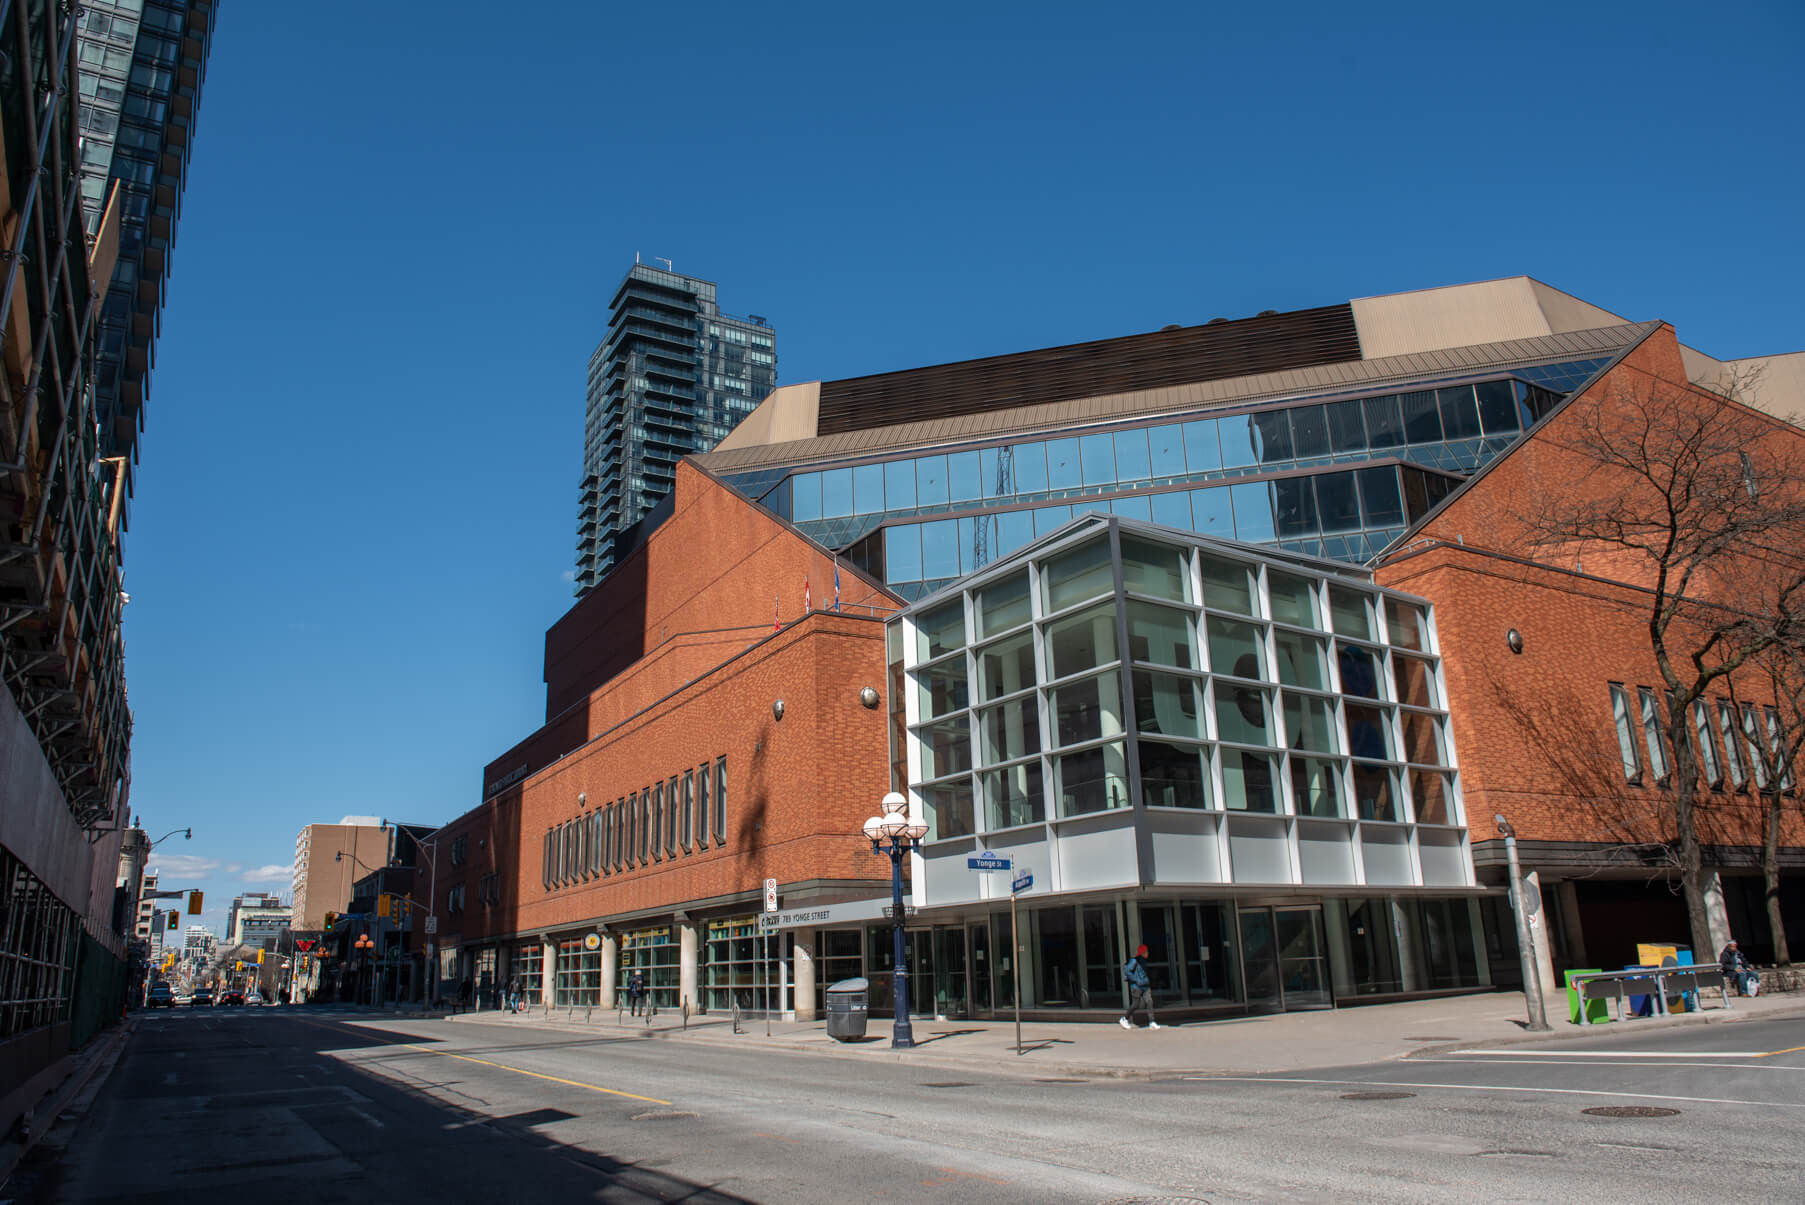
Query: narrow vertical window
point(1726, 727)
point(595, 842)
point(1707, 746)
point(670, 832)
point(720, 800)
point(614, 837)
point(701, 837)
point(545, 863)
point(1654, 734)
point(1751, 731)
point(645, 829)
point(632, 826)
point(607, 844)
point(698, 815)
point(1780, 755)
point(1626, 733)
point(657, 823)
point(689, 803)
point(582, 823)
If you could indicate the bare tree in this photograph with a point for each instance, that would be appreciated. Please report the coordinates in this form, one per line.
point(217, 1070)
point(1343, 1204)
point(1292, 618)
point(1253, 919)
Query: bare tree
point(1699, 502)
point(1778, 732)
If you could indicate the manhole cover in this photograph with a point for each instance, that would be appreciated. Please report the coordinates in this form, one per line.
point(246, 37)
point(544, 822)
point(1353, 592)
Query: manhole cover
point(1377, 1095)
point(952, 1083)
point(664, 1115)
point(1057, 1080)
point(1629, 1111)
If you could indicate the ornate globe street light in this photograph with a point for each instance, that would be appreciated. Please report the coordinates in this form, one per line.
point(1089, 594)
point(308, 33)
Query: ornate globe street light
point(893, 833)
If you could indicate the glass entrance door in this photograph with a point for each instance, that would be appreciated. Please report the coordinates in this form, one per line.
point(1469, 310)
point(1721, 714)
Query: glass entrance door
point(949, 974)
point(1260, 961)
point(978, 940)
point(1284, 959)
point(1303, 959)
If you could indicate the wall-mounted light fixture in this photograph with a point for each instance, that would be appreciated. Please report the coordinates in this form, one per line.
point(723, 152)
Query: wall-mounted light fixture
point(1514, 638)
point(868, 697)
point(777, 710)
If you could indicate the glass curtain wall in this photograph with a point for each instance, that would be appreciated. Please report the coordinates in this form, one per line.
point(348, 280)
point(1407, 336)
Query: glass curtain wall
point(579, 976)
point(654, 953)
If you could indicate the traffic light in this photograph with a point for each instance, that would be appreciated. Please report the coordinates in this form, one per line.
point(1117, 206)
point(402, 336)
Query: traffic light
point(259, 957)
point(175, 919)
point(194, 903)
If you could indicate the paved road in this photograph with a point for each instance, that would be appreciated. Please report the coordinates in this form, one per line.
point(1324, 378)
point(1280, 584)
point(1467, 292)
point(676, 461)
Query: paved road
point(275, 1106)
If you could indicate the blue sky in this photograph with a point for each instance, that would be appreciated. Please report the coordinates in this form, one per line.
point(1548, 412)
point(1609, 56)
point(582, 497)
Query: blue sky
point(356, 507)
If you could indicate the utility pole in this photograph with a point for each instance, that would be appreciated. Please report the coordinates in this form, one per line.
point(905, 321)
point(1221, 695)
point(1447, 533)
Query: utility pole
point(1526, 950)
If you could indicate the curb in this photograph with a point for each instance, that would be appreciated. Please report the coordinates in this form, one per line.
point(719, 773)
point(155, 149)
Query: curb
point(1615, 1029)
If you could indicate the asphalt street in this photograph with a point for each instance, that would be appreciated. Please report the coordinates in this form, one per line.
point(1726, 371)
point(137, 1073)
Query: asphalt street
point(281, 1105)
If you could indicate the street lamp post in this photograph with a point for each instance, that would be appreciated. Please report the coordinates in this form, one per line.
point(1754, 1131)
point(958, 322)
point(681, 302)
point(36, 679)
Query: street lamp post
point(894, 834)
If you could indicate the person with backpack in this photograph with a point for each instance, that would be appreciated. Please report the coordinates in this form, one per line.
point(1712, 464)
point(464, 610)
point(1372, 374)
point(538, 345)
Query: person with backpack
point(1140, 990)
point(636, 992)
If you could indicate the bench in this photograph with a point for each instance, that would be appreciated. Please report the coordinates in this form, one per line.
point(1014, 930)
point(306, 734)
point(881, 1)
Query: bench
point(1658, 983)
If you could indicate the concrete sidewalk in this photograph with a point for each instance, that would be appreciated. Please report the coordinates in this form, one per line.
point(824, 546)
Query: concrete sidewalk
point(1281, 1042)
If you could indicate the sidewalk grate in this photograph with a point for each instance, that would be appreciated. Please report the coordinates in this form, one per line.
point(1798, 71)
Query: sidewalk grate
point(1629, 1111)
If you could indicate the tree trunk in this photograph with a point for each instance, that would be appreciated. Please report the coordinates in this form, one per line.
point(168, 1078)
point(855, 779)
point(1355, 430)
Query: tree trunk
point(1692, 854)
point(1770, 874)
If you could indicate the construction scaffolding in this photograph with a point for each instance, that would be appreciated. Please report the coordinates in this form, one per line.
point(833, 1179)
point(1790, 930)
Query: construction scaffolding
point(61, 651)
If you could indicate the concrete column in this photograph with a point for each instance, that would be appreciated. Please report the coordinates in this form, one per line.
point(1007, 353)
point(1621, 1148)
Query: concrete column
point(1480, 959)
point(1717, 918)
point(1570, 926)
point(548, 970)
point(1538, 931)
point(686, 966)
point(610, 967)
point(1408, 962)
point(804, 959)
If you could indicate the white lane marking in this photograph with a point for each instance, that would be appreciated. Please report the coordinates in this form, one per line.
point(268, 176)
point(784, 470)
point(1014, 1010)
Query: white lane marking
point(1621, 1054)
point(1374, 1083)
point(367, 1118)
point(1573, 1063)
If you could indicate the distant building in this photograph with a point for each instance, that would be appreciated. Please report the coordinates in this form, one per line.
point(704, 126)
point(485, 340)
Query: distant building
point(329, 858)
point(257, 920)
point(672, 376)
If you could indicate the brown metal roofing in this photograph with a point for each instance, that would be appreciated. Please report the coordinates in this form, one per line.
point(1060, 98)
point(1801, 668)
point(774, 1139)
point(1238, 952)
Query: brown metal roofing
point(1239, 391)
point(1186, 355)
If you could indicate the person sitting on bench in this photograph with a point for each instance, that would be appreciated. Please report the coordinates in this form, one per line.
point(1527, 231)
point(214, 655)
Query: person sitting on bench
point(1738, 970)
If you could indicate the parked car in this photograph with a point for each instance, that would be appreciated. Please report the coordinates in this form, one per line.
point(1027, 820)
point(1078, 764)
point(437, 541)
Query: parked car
point(253, 998)
point(159, 996)
point(232, 997)
point(202, 995)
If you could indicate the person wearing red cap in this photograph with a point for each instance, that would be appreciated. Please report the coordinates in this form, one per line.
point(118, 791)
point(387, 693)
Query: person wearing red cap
point(1140, 990)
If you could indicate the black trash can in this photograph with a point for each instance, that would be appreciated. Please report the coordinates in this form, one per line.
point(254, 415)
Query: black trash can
point(848, 1002)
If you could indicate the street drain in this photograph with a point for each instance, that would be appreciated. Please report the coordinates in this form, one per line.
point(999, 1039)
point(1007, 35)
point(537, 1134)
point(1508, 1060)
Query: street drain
point(664, 1115)
point(1432, 1039)
point(1056, 1080)
point(1511, 1151)
point(1630, 1111)
point(1377, 1095)
point(950, 1084)
point(1156, 1201)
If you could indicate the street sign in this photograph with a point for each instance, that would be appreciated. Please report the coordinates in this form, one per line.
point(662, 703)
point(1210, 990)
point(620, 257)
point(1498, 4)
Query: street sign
point(1022, 882)
point(985, 860)
point(432, 925)
point(767, 922)
point(770, 895)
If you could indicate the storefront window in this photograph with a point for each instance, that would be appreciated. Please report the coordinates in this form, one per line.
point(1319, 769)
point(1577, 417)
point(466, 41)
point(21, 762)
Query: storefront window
point(655, 954)
point(741, 966)
point(529, 969)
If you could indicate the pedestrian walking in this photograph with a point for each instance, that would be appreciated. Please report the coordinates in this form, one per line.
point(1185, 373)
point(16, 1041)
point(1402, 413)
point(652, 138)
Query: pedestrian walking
point(1140, 990)
point(636, 991)
point(513, 999)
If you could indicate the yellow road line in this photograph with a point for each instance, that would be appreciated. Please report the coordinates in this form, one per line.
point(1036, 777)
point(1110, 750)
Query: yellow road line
point(1789, 1050)
point(446, 1054)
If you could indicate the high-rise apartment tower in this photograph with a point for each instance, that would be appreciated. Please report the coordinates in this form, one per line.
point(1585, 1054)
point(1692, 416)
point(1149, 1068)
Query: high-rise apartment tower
point(672, 376)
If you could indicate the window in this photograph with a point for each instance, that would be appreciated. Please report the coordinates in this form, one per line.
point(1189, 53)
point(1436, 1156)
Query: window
point(646, 836)
point(545, 861)
point(1707, 747)
point(1726, 727)
point(632, 823)
point(720, 800)
point(701, 794)
point(690, 819)
point(460, 850)
point(1626, 734)
point(1654, 734)
point(1751, 731)
point(670, 832)
point(1777, 750)
point(688, 806)
point(655, 806)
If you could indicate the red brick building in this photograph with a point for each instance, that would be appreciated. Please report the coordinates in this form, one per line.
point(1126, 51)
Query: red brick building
point(703, 734)
point(1558, 705)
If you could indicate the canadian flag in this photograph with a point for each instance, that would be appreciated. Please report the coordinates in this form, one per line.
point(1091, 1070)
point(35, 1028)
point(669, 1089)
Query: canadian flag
point(805, 595)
